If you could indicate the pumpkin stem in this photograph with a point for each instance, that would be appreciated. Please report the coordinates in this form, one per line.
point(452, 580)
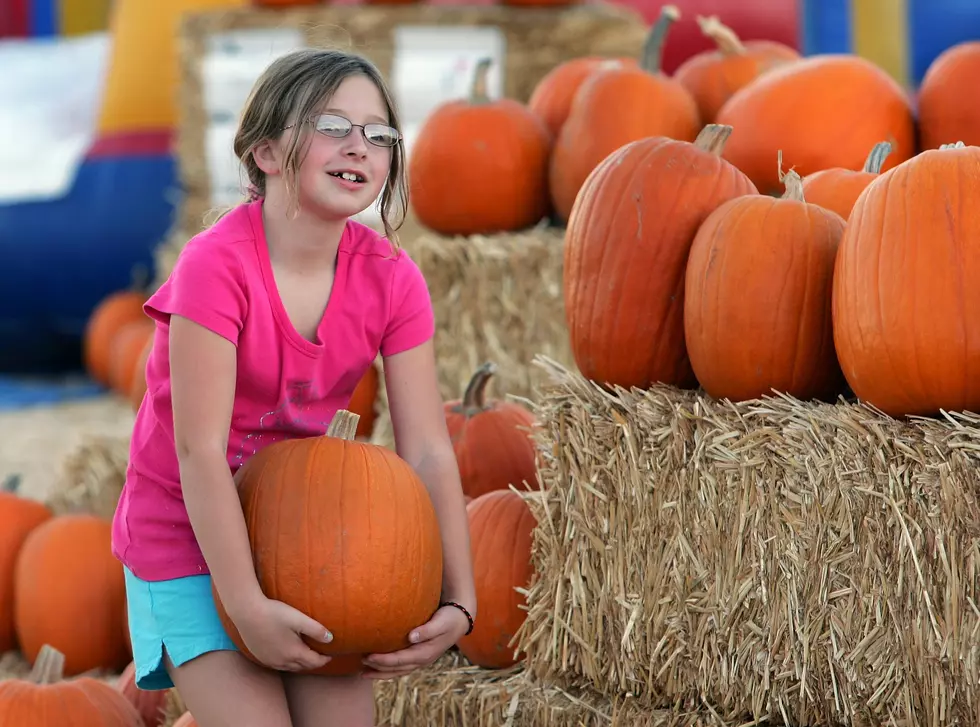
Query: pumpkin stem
point(651, 59)
point(475, 395)
point(957, 145)
point(478, 91)
point(876, 159)
point(713, 137)
point(728, 42)
point(49, 666)
point(343, 425)
point(11, 484)
point(791, 180)
point(139, 278)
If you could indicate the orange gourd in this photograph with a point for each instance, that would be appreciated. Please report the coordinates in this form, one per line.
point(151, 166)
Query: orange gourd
point(151, 704)
point(501, 528)
point(905, 295)
point(363, 401)
point(757, 298)
point(552, 97)
point(490, 438)
point(124, 354)
point(821, 112)
point(109, 316)
point(69, 592)
point(138, 389)
point(617, 105)
point(44, 700)
point(19, 516)
point(345, 532)
point(947, 105)
point(838, 189)
point(712, 76)
point(626, 252)
point(480, 166)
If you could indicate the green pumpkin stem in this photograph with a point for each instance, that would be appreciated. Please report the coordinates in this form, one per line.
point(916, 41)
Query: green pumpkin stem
point(876, 159)
point(651, 59)
point(474, 398)
point(712, 138)
point(723, 36)
point(11, 484)
point(479, 93)
point(49, 666)
point(343, 425)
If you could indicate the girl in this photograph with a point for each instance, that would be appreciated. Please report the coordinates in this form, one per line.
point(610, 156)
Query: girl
point(264, 328)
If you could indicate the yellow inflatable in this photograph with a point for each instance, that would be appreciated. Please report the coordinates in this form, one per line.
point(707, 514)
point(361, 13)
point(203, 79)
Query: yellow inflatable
point(142, 78)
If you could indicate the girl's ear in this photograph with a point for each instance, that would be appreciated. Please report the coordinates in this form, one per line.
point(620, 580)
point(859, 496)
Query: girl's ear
point(267, 157)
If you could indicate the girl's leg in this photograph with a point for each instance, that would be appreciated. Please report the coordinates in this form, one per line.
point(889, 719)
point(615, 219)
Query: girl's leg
point(321, 701)
point(224, 689)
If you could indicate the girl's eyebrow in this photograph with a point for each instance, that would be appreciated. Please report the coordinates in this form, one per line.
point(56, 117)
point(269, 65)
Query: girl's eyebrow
point(341, 112)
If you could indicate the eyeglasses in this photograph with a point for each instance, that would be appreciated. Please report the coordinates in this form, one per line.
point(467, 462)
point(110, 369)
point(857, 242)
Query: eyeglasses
point(337, 127)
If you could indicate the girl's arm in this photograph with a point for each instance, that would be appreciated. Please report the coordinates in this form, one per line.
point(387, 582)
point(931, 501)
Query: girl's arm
point(422, 439)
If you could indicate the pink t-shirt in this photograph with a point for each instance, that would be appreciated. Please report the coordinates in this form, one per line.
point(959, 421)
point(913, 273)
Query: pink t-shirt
point(286, 385)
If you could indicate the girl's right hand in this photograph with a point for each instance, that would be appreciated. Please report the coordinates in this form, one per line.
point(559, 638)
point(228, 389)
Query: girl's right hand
point(271, 631)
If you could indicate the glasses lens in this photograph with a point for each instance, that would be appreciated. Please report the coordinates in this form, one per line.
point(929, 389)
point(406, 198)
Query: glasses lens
point(381, 134)
point(336, 126)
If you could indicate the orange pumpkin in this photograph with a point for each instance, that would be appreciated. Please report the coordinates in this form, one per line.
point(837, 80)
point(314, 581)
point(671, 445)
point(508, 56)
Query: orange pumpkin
point(905, 293)
point(124, 354)
point(615, 106)
point(138, 389)
point(821, 112)
point(149, 703)
point(712, 76)
point(69, 591)
point(501, 527)
point(368, 513)
point(493, 450)
point(552, 97)
point(757, 298)
point(363, 401)
point(44, 700)
point(480, 166)
point(109, 316)
point(18, 518)
point(948, 110)
point(838, 189)
point(624, 273)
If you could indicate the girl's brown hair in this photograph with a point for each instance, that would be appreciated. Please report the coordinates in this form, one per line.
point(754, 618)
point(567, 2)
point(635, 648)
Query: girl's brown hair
point(289, 91)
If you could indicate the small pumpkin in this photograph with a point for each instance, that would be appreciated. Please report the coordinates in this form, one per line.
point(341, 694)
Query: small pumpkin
point(480, 166)
point(369, 514)
point(69, 592)
point(19, 516)
point(947, 106)
point(615, 106)
point(363, 401)
point(552, 97)
point(109, 316)
point(150, 704)
point(838, 189)
point(712, 76)
point(125, 350)
point(822, 112)
point(493, 449)
point(43, 699)
point(905, 291)
point(757, 313)
point(624, 273)
point(501, 527)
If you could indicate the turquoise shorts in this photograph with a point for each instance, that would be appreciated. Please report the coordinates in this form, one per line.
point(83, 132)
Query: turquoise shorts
point(178, 614)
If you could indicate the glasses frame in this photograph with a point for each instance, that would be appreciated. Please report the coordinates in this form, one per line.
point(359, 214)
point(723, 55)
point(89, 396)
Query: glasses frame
point(363, 127)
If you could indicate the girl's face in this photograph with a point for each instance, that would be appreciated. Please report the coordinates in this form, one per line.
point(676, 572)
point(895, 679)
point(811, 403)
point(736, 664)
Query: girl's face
point(343, 175)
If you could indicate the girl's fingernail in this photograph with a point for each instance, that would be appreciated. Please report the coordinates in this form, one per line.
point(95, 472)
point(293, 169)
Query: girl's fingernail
point(413, 637)
point(327, 637)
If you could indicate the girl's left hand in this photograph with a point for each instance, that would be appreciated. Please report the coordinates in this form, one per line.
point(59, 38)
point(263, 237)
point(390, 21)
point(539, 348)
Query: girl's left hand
point(429, 642)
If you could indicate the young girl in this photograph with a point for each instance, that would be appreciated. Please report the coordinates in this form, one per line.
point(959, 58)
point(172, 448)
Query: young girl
point(268, 322)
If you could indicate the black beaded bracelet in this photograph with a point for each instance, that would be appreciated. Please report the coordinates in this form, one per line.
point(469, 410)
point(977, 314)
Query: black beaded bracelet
point(465, 613)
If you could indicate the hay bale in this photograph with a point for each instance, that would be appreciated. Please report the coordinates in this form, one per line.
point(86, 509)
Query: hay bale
point(92, 477)
point(809, 562)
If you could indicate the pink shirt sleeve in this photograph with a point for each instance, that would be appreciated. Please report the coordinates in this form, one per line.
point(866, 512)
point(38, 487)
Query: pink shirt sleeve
point(206, 286)
point(410, 318)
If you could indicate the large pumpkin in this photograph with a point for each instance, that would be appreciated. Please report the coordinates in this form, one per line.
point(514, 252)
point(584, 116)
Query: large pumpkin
point(757, 298)
point(821, 112)
point(838, 189)
point(18, 517)
point(615, 105)
point(906, 296)
point(345, 532)
point(44, 700)
point(480, 166)
point(491, 439)
point(501, 527)
point(70, 592)
point(624, 270)
point(713, 76)
point(947, 101)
